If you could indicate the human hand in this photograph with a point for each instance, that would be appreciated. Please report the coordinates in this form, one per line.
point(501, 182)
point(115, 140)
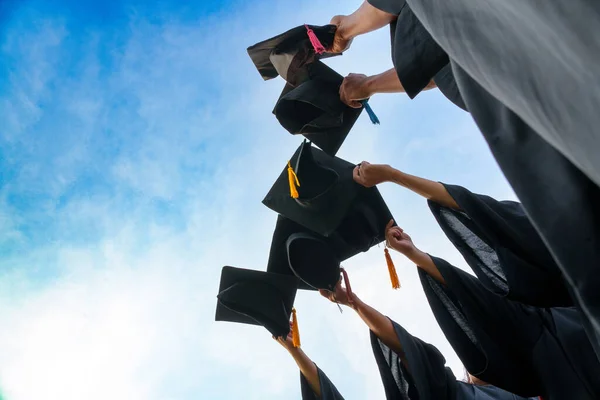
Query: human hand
point(287, 342)
point(398, 240)
point(341, 40)
point(339, 295)
point(369, 175)
point(355, 88)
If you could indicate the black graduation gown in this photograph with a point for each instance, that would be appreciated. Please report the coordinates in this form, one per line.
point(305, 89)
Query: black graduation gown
point(540, 157)
point(425, 376)
point(538, 58)
point(523, 349)
point(328, 389)
point(446, 83)
point(501, 246)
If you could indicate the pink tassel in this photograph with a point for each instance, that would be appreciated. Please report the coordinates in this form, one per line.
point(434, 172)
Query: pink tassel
point(314, 40)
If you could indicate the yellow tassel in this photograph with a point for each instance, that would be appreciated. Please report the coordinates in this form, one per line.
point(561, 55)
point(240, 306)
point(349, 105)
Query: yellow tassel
point(392, 270)
point(293, 179)
point(295, 331)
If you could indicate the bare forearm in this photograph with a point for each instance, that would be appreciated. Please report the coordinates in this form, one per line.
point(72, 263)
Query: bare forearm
point(431, 190)
point(386, 82)
point(366, 19)
point(379, 324)
point(425, 262)
point(308, 369)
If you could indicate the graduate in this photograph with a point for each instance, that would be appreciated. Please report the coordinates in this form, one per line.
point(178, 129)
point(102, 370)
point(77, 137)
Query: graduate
point(266, 299)
point(496, 238)
point(529, 84)
point(523, 349)
point(409, 367)
point(314, 384)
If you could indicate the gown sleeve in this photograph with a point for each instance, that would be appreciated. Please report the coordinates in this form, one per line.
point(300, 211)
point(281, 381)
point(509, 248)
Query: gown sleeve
point(488, 333)
point(445, 82)
point(416, 55)
point(502, 248)
point(525, 350)
point(422, 376)
point(328, 389)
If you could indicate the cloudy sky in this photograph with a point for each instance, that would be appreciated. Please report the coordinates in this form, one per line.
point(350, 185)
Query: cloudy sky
point(136, 145)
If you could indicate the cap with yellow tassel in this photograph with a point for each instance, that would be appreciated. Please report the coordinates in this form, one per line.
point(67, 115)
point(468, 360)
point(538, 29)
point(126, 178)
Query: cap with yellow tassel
point(293, 179)
point(295, 330)
point(391, 269)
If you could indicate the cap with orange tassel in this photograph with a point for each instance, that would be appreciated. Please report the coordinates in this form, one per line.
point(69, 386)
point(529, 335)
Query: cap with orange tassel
point(293, 180)
point(295, 330)
point(391, 269)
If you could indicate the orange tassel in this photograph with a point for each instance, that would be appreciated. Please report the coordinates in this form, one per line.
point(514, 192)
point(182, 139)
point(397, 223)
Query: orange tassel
point(392, 270)
point(295, 331)
point(293, 179)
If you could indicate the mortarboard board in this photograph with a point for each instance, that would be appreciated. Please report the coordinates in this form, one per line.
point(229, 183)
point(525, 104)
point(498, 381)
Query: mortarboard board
point(328, 205)
point(279, 256)
point(322, 194)
point(313, 261)
point(256, 298)
point(295, 48)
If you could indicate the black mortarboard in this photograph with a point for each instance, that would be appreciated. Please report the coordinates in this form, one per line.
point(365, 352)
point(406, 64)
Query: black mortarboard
point(313, 261)
point(273, 57)
point(256, 298)
point(312, 107)
point(281, 261)
point(325, 194)
point(328, 205)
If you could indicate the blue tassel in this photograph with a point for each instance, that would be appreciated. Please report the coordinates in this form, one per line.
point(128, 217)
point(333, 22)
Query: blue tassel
point(369, 110)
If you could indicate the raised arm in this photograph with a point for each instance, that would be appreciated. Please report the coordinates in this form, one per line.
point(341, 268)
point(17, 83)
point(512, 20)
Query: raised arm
point(378, 323)
point(305, 364)
point(370, 175)
point(399, 240)
point(356, 87)
point(365, 19)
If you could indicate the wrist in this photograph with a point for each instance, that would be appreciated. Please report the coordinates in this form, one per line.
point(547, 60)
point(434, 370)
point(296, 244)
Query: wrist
point(388, 173)
point(356, 303)
point(372, 85)
point(415, 255)
point(295, 352)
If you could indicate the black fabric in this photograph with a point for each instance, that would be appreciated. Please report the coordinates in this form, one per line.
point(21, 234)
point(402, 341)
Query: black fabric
point(560, 200)
point(416, 56)
point(290, 50)
point(446, 83)
point(528, 351)
point(313, 261)
point(355, 213)
point(467, 391)
point(390, 7)
point(503, 248)
point(310, 105)
point(278, 255)
point(419, 373)
point(427, 379)
point(536, 58)
point(256, 298)
point(524, 71)
point(328, 389)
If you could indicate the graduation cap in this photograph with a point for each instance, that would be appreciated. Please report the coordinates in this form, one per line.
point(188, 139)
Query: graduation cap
point(317, 193)
point(258, 298)
point(295, 48)
point(313, 108)
point(310, 103)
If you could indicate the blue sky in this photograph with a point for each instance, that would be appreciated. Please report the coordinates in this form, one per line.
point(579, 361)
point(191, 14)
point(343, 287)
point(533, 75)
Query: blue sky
point(136, 145)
